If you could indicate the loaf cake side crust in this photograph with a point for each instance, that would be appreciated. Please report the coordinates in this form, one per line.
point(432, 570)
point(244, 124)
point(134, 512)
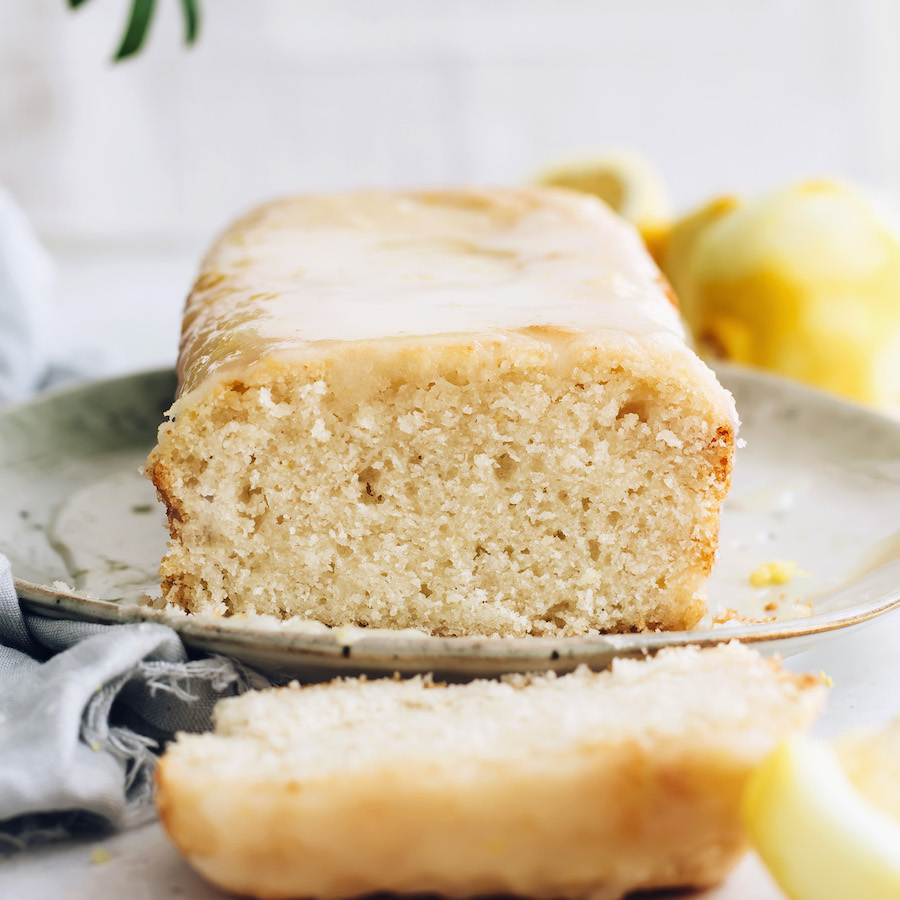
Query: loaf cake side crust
point(590, 784)
point(558, 472)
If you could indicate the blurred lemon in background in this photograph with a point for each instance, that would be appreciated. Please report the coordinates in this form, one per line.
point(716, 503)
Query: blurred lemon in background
point(804, 282)
point(673, 247)
point(623, 180)
point(826, 820)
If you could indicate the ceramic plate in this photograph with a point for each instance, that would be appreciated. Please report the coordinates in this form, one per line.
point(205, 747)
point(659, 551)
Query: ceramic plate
point(817, 484)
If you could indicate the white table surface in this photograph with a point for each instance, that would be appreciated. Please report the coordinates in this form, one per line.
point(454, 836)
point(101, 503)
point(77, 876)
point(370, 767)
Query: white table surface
point(863, 663)
point(122, 310)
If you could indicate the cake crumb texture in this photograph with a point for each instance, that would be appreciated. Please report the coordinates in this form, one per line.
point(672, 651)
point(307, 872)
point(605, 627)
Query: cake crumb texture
point(512, 503)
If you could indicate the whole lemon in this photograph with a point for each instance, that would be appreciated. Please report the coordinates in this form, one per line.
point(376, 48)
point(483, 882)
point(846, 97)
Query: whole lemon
point(804, 282)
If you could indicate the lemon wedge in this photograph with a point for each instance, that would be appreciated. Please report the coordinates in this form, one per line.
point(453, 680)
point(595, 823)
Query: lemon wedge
point(624, 181)
point(821, 837)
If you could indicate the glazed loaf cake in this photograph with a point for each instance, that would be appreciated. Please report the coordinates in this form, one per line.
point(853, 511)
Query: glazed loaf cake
point(585, 785)
point(471, 413)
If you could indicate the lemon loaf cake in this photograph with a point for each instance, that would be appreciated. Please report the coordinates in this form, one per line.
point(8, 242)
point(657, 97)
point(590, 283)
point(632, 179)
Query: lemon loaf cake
point(472, 413)
point(587, 784)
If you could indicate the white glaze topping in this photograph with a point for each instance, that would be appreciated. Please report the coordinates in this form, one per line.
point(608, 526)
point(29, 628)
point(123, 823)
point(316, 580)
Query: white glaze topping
point(380, 265)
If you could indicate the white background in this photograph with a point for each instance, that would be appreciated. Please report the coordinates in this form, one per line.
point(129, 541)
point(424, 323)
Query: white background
point(283, 95)
point(127, 171)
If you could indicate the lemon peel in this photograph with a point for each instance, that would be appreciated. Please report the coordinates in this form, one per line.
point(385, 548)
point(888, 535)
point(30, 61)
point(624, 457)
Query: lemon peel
point(803, 281)
point(776, 571)
point(819, 836)
point(99, 856)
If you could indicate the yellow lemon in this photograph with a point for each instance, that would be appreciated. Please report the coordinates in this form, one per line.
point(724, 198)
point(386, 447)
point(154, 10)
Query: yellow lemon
point(821, 837)
point(622, 179)
point(872, 763)
point(673, 249)
point(805, 282)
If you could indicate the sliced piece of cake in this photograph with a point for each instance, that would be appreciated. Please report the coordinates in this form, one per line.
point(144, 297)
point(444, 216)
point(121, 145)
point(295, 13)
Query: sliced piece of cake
point(471, 413)
point(584, 785)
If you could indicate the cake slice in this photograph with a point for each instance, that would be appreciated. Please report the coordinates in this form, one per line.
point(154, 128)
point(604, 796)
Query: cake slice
point(584, 785)
point(472, 413)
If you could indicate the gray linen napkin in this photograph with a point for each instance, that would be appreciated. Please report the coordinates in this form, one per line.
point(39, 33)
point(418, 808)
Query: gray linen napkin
point(82, 707)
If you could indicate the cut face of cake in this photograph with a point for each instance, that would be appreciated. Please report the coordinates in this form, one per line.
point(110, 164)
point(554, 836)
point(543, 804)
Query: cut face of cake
point(471, 413)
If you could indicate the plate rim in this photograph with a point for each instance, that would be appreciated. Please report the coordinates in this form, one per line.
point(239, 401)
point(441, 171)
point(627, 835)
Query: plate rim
point(383, 645)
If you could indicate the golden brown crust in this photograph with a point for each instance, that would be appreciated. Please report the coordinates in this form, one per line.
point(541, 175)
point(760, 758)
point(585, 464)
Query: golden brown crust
point(606, 818)
point(668, 290)
point(721, 448)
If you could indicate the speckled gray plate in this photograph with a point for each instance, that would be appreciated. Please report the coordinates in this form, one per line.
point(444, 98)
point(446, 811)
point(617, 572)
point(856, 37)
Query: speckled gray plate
point(818, 484)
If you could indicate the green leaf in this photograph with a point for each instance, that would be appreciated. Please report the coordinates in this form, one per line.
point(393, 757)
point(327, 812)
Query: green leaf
point(74, 4)
point(136, 32)
point(191, 20)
